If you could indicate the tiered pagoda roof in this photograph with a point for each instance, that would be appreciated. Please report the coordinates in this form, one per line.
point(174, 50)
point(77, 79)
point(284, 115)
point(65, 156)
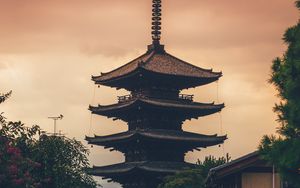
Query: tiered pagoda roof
point(157, 63)
point(122, 169)
point(186, 109)
point(179, 139)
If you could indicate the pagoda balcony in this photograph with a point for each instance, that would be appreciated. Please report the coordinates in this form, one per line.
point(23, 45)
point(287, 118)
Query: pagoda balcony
point(186, 97)
point(127, 98)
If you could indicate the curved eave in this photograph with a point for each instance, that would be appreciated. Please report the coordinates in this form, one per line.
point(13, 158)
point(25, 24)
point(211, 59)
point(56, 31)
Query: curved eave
point(114, 82)
point(98, 109)
point(122, 169)
point(126, 69)
point(167, 136)
point(171, 105)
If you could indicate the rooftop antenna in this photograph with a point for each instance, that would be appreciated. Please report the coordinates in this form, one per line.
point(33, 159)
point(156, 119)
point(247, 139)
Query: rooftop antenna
point(55, 119)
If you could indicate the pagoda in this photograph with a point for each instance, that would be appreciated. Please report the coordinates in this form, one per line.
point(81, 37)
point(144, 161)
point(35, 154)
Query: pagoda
point(155, 144)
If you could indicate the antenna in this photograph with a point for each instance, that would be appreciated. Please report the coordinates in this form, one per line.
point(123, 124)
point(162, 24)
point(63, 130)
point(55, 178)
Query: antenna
point(55, 119)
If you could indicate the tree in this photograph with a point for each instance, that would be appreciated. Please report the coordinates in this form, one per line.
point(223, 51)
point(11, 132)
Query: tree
point(15, 169)
point(32, 159)
point(3, 97)
point(63, 161)
point(284, 150)
point(196, 177)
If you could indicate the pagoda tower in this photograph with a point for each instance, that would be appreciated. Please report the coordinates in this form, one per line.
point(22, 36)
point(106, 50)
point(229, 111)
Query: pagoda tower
point(155, 144)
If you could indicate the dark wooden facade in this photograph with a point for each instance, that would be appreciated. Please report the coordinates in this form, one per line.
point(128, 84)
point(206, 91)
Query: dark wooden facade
point(155, 144)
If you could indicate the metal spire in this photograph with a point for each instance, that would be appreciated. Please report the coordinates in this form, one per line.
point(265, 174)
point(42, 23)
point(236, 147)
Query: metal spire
point(156, 28)
point(156, 21)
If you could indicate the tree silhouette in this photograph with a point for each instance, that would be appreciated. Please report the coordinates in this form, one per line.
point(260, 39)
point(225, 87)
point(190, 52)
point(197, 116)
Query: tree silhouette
point(31, 159)
point(284, 150)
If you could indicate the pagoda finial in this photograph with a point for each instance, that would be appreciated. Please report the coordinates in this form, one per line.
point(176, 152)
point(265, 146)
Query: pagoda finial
point(156, 21)
point(156, 28)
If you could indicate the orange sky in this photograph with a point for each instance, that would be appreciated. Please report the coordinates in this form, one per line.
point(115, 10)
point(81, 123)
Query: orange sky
point(49, 49)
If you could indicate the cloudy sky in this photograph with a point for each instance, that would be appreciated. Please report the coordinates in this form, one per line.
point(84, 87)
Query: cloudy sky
point(49, 49)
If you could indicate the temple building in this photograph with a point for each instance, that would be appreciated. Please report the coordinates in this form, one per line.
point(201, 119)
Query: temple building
point(248, 171)
point(155, 144)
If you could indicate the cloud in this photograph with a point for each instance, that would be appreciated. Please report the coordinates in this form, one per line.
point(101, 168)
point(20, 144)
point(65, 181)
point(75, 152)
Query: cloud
point(49, 50)
point(115, 28)
point(2, 65)
point(97, 27)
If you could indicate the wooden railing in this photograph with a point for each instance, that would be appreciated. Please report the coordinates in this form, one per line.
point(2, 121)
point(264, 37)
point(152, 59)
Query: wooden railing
point(186, 97)
point(127, 98)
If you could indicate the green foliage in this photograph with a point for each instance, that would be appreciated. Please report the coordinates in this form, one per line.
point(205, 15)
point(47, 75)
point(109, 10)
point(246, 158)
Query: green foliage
point(298, 4)
point(211, 162)
point(3, 97)
point(284, 150)
point(194, 178)
point(285, 154)
point(50, 161)
point(63, 161)
point(16, 170)
point(29, 159)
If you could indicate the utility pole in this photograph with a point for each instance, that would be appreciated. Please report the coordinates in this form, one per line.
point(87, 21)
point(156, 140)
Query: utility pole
point(55, 119)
